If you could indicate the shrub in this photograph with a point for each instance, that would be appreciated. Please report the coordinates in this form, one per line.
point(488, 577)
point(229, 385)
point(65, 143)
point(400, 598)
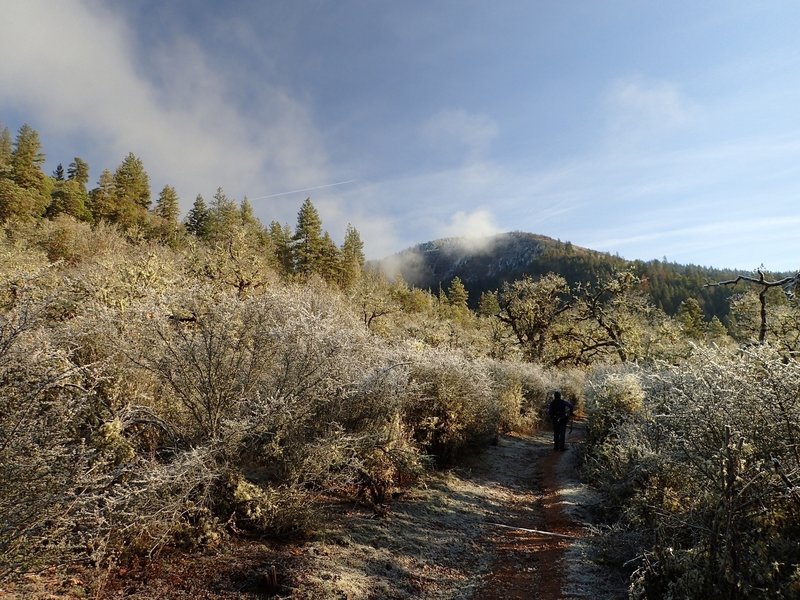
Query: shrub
point(455, 407)
point(521, 391)
point(705, 465)
point(45, 467)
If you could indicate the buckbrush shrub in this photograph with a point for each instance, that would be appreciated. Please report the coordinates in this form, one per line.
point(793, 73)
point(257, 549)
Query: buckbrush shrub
point(703, 459)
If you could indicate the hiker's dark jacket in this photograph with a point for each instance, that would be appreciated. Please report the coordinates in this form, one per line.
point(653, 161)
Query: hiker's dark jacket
point(560, 411)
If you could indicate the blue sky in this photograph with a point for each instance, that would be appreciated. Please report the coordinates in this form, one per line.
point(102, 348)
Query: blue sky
point(647, 129)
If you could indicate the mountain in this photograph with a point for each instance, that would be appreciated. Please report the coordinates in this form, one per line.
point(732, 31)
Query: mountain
point(485, 264)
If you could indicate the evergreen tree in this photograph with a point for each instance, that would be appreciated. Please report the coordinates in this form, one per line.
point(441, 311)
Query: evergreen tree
point(307, 249)
point(132, 183)
point(223, 216)
point(329, 263)
point(247, 215)
point(281, 236)
point(690, 316)
point(489, 305)
point(352, 257)
point(27, 160)
point(69, 197)
point(6, 149)
point(168, 206)
point(716, 330)
point(78, 170)
point(457, 294)
point(197, 220)
point(103, 198)
point(25, 189)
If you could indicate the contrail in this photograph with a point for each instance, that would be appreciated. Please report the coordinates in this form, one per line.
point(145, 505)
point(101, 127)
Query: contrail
point(311, 189)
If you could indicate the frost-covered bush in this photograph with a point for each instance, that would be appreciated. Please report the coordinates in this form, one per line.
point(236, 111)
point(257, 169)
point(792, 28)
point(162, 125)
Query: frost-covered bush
point(293, 393)
point(520, 391)
point(709, 453)
point(455, 406)
point(572, 384)
point(45, 466)
point(613, 396)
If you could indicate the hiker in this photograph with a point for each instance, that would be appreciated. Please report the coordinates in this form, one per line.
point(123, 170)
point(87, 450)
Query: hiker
point(560, 413)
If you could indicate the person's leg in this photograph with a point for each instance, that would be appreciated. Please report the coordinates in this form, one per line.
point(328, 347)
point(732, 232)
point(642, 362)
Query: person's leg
point(560, 430)
point(564, 435)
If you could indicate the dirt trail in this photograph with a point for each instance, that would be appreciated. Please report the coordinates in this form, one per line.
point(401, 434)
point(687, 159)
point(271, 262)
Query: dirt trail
point(458, 537)
point(530, 564)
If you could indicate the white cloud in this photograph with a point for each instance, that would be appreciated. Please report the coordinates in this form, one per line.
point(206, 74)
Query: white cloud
point(477, 224)
point(638, 107)
point(74, 69)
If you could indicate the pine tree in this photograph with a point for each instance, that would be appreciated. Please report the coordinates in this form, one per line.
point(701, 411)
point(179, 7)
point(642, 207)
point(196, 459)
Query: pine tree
point(247, 215)
point(690, 316)
point(132, 183)
point(6, 149)
point(489, 305)
point(197, 220)
point(168, 205)
point(281, 236)
point(307, 248)
point(27, 160)
point(25, 189)
point(103, 198)
point(457, 294)
point(329, 261)
point(352, 258)
point(78, 170)
point(69, 197)
point(223, 216)
point(716, 330)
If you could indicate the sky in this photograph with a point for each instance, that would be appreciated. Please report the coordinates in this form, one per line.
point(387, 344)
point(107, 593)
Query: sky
point(644, 129)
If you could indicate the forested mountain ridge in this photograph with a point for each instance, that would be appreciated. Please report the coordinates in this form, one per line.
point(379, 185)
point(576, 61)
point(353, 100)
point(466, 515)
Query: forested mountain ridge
point(485, 264)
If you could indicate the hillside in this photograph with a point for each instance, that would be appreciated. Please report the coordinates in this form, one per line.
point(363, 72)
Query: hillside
point(485, 264)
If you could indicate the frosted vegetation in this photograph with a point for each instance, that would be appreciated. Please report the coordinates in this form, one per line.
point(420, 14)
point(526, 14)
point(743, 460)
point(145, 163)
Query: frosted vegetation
point(146, 403)
point(167, 384)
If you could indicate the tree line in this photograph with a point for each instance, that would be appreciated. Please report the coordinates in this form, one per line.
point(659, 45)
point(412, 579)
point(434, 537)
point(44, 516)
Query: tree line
point(123, 198)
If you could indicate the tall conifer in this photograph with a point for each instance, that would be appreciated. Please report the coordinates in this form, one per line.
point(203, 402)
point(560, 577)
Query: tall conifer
point(352, 257)
point(168, 206)
point(281, 236)
point(132, 183)
point(104, 198)
point(307, 248)
point(24, 189)
point(78, 170)
point(198, 217)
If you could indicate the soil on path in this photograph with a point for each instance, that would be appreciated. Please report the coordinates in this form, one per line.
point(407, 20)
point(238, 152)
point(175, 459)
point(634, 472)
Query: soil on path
point(532, 564)
point(463, 536)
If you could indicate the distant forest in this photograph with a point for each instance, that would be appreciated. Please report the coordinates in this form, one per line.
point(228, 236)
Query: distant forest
point(508, 257)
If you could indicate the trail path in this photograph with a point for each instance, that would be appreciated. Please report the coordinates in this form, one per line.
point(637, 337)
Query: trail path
point(457, 537)
point(530, 564)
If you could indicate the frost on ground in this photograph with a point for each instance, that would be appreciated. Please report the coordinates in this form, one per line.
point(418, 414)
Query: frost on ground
point(432, 545)
point(585, 578)
point(440, 540)
point(443, 541)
